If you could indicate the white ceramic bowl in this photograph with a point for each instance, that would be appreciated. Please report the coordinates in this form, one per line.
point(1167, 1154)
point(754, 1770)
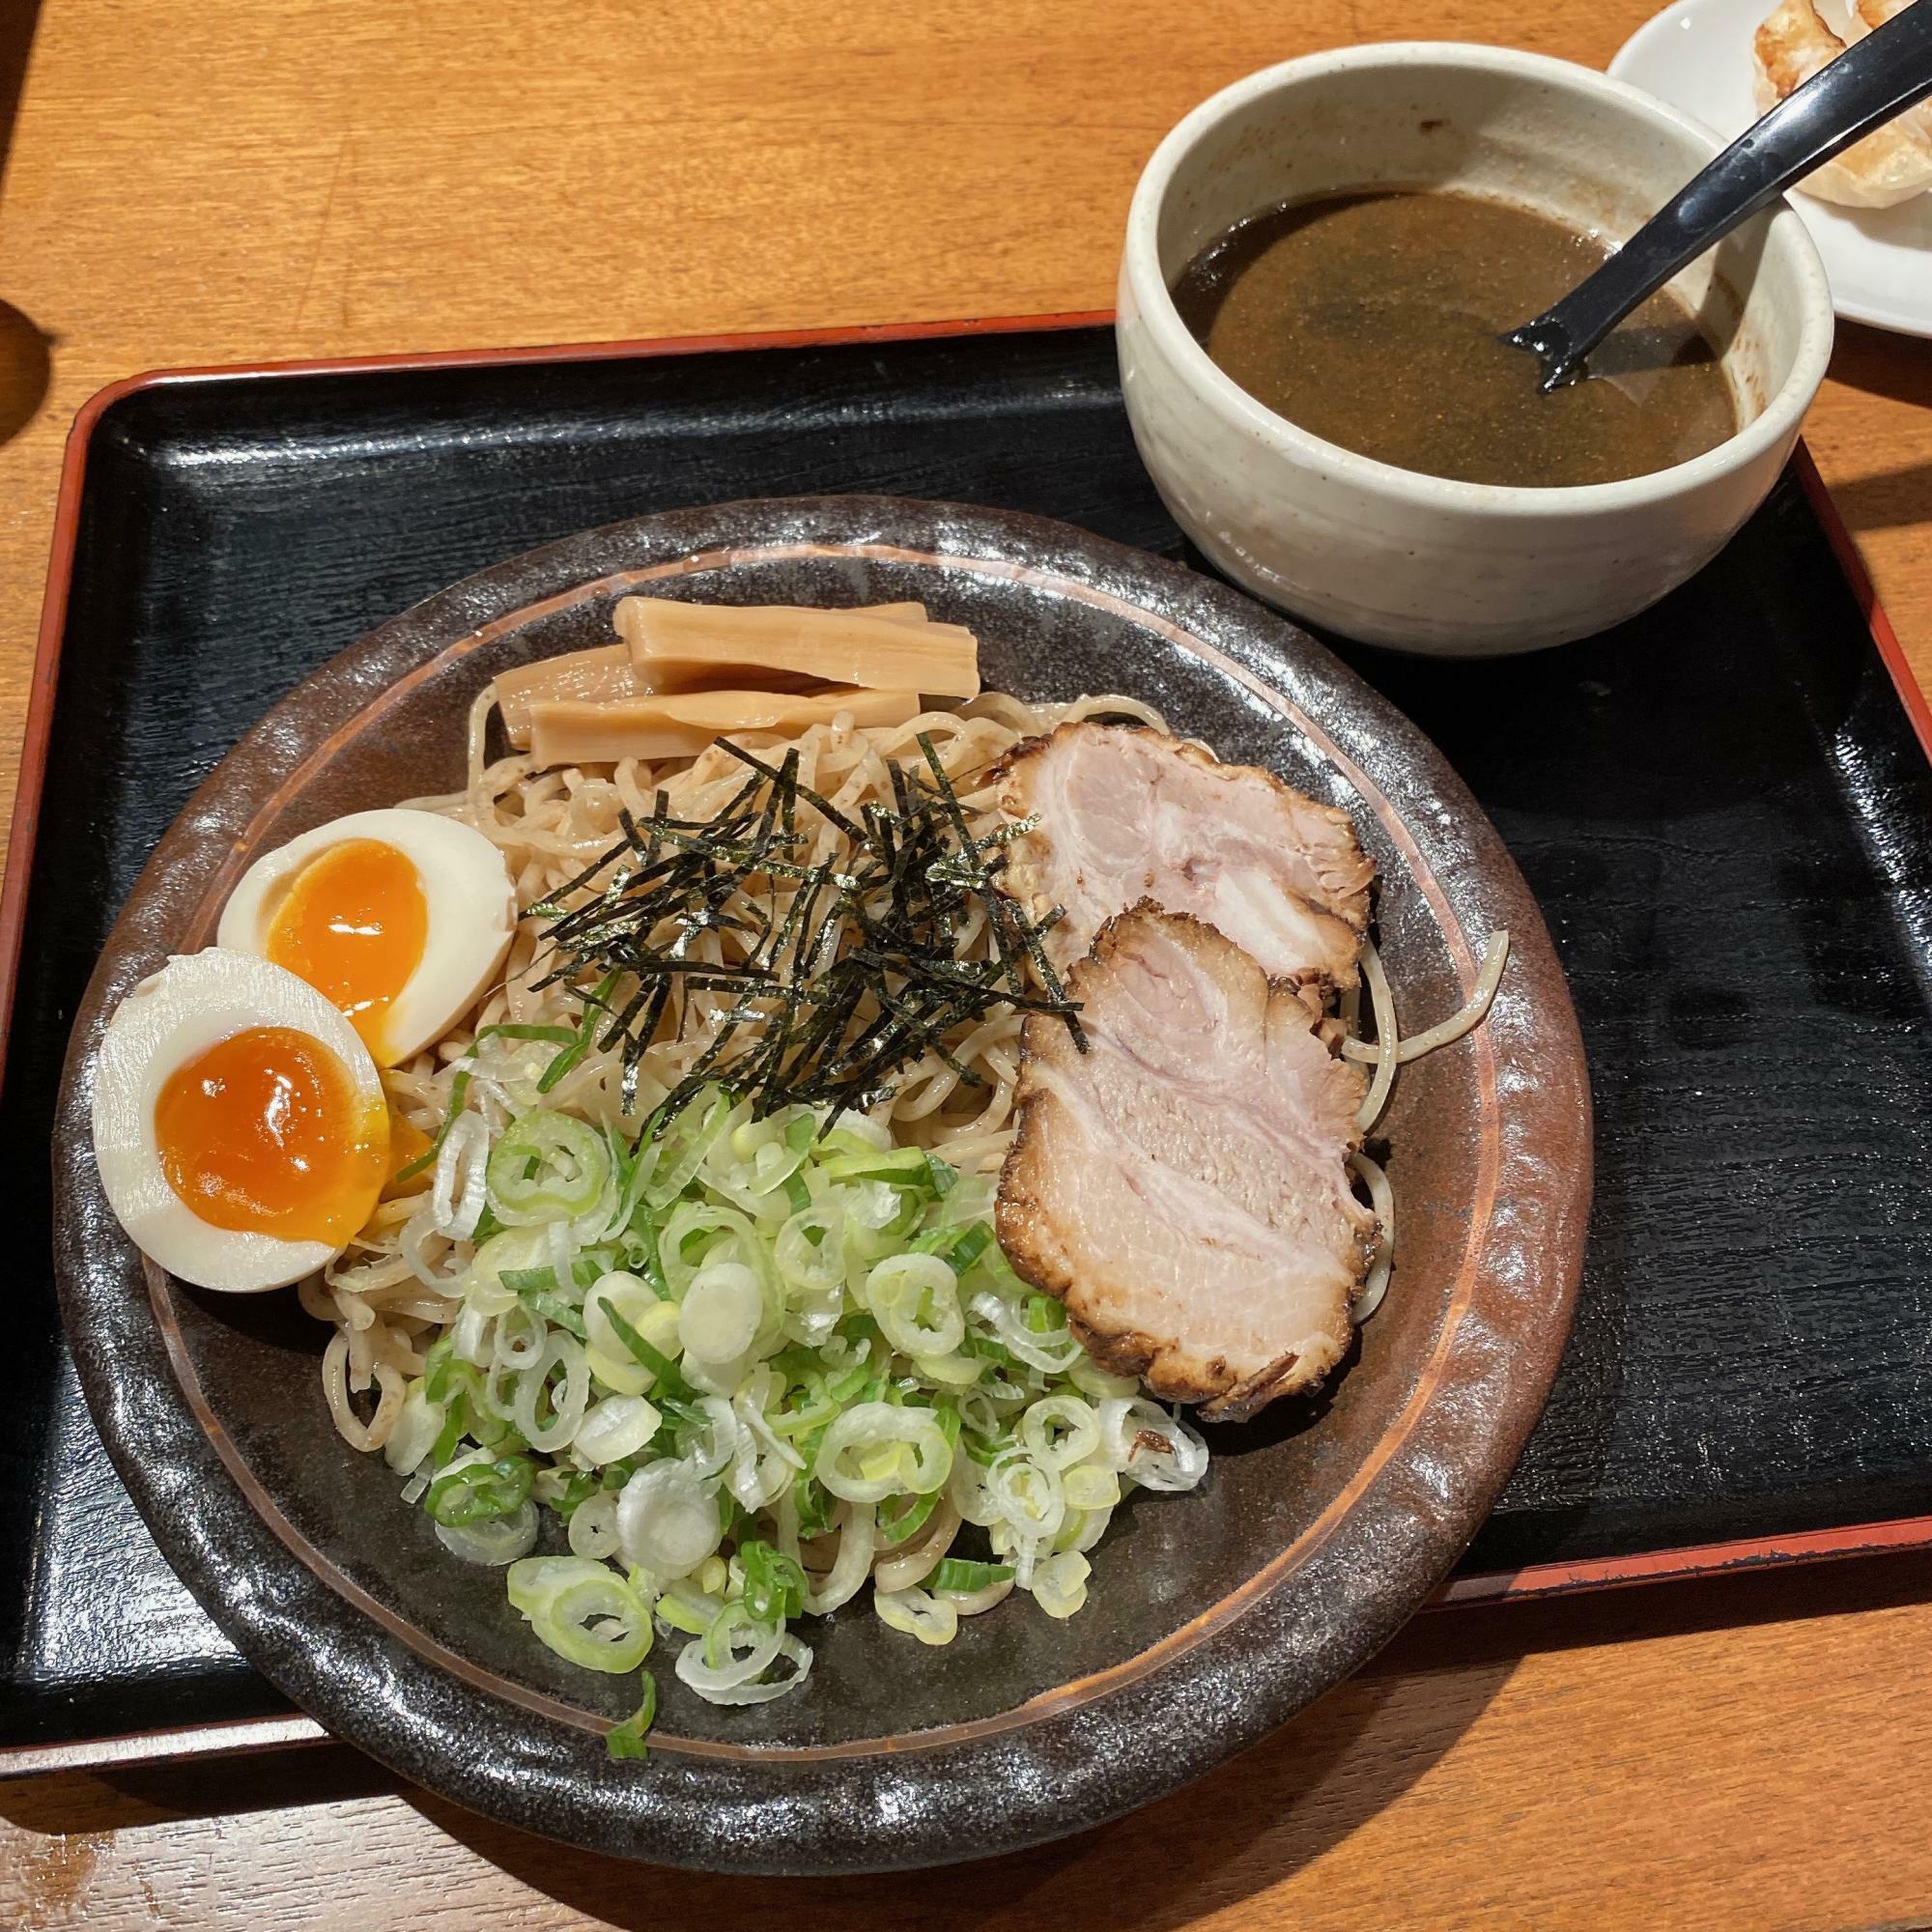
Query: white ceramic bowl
point(1385, 555)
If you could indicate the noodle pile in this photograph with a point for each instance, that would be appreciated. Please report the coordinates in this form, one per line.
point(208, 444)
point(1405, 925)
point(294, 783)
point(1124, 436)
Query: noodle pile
point(394, 1290)
point(845, 1376)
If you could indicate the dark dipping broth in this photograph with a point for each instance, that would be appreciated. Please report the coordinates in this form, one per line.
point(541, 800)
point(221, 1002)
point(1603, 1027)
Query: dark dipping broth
point(1372, 320)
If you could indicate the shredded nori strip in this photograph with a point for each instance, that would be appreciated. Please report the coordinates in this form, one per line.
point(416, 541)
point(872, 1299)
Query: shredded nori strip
point(856, 981)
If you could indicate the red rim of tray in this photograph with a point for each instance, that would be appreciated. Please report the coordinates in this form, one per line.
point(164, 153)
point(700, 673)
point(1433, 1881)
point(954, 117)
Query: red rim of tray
point(1544, 1580)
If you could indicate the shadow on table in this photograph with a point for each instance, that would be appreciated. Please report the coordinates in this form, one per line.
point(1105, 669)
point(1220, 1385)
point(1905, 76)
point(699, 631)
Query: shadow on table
point(1891, 499)
point(25, 350)
point(18, 22)
point(1233, 1834)
point(1870, 359)
point(26, 368)
point(1271, 1813)
point(1267, 1814)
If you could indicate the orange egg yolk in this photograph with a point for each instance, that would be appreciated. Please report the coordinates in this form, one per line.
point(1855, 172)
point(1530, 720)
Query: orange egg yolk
point(353, 925)
point(266, 1134)
point(407, 1144)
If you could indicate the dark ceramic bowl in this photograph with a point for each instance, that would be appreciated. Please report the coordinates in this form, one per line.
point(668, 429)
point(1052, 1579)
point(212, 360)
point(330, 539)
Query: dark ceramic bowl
point(1213, 1616)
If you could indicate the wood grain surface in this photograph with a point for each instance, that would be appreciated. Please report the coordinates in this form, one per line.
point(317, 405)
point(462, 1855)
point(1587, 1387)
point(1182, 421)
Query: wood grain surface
point(233, 182)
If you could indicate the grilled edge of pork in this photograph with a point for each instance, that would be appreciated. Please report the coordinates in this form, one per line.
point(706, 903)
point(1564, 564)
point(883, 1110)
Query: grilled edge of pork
point(1182, 1186)
point(1127, 814)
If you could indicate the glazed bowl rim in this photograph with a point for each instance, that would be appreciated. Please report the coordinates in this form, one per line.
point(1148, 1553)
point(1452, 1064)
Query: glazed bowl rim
point(1773, 426)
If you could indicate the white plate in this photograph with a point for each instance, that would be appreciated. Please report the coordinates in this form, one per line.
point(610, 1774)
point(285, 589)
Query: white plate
point(1697, 56)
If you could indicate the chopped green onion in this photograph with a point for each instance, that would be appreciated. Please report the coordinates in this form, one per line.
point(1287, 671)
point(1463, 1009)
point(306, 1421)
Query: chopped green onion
point(532, 1287)
point(816, 1507)
point(732, 1618)
point(547, 1167)
point(518, 1032)
point(677, 1609)
point(907, 1167)
point(850, 1384)
point(579, 1040)
point(438, 1367)
point(835, 1142)
point(956, 1246)
point(905, 1520)
point(541, 1280)
point(459, 1088)
point(566, 1496)
point(481, 1492)
point(583, 1610)
point(670, 1378)
point(961, 1573)
point(458, 1385)
point(775, 1584)
point(873, 1366)
point(627, 1739)
point(649, 1261)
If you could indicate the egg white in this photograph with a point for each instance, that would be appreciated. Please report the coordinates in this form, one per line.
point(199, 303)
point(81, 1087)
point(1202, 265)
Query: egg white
point(194, 1001)
point(467, 891)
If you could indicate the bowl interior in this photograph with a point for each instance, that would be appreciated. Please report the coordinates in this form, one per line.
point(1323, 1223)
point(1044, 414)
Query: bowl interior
point(1166, 1559)
point(1559, 140)
point(1213, 1616)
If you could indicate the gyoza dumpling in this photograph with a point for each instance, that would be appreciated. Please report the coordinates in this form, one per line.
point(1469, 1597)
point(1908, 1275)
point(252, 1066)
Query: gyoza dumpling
point(1886, 167)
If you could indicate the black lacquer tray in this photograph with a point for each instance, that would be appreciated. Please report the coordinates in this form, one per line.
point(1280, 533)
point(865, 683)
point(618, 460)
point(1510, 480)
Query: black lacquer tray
point(1724, 808)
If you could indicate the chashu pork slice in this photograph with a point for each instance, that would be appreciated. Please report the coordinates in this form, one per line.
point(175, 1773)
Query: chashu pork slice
point(1127, 814)
point(1183, 1184)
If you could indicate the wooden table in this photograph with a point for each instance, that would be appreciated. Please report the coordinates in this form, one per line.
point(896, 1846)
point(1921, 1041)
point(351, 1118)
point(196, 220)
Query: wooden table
point(227, 181)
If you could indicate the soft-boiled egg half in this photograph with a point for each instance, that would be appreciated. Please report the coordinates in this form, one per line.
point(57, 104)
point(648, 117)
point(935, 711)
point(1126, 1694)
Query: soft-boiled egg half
point(401, 918)
point(239, 1122)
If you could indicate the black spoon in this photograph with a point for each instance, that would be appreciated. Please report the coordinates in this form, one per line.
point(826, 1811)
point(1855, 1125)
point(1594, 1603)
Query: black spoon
point(1876, 78)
